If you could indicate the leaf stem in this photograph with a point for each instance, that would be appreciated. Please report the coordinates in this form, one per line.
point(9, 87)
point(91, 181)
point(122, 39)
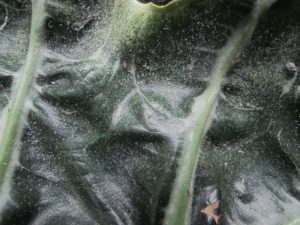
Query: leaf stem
point(179, 208)
point(14, 115)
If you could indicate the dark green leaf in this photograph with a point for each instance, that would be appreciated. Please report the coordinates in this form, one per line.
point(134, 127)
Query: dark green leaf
point(122, 112)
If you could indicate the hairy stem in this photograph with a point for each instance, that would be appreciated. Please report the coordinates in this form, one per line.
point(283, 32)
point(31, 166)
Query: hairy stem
point(179, 208)
point(15, 113)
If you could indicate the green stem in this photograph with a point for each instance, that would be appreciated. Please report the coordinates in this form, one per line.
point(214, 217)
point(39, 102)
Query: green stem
point(294, 222)
point(15, 113)
point(179, 208)
point(132, 21)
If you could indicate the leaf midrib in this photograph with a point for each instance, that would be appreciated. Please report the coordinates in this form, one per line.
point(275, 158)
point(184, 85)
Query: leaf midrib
point(16, 111)
point(178, 210)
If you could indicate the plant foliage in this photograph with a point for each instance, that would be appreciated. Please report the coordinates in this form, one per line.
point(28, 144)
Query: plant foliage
point(182, 112)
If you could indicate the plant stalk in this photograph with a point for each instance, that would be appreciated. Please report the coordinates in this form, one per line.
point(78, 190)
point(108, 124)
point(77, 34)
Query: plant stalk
point(179, 208)
point(14, 115)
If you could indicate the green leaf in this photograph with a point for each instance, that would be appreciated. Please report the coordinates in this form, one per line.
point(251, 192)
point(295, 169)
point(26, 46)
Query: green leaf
point(182, 112)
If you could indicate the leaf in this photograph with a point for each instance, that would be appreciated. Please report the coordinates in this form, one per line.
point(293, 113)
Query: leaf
point(133, 113)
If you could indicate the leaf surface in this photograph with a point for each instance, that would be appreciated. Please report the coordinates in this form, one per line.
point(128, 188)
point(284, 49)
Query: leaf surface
point(135, 113)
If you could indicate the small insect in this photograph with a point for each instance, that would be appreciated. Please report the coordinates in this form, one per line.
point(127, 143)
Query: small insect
point(149, 116)
point(147, 67)
point(189, 193)
point(210, 210)
point(191, 66)
point(290, 66)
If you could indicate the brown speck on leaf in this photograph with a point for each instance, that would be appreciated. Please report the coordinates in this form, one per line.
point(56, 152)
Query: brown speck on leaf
point(213, 172)
point(242, 180)
point(203, 162)
point(125, 64)
point(210, 210)
point(189, 193)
